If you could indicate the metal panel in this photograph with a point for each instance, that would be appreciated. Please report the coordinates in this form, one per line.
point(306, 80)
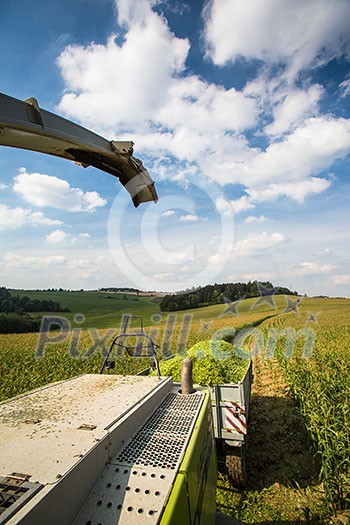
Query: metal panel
point(199, 464)
point(135, 485)
point(99, 405)
point(127, 495)
point(178, 504)
point(222, 396)
point(64, 421)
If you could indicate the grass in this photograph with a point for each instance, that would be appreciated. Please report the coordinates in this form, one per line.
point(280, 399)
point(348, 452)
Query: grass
point(100, 309)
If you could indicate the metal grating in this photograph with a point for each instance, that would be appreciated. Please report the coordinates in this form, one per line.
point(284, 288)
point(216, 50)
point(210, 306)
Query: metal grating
point(13, 495)
point(160, 441)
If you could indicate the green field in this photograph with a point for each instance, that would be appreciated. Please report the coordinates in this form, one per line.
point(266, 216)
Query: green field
point(100, 309)
point(298, 455)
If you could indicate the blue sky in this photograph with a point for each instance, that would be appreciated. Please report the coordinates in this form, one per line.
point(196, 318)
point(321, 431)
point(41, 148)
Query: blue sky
point(239, 110)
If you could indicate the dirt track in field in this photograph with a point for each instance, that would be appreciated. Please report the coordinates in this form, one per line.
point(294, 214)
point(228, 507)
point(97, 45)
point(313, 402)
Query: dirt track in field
point(278, 446)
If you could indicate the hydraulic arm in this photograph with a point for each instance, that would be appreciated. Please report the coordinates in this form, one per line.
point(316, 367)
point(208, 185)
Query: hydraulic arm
point(25, 125)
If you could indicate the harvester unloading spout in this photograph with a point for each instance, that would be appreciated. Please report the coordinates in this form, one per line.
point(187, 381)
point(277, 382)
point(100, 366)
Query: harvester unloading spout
point(25, 125)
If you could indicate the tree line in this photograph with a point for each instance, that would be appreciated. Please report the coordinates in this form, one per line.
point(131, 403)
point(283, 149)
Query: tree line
point(14, 312)
point(216, 294)
point(15, 304)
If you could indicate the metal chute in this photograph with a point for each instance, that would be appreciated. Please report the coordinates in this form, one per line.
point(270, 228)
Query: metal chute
point(23, 124)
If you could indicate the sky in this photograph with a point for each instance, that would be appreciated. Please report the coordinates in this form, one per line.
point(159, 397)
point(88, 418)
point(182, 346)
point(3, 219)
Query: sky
point(239, 110)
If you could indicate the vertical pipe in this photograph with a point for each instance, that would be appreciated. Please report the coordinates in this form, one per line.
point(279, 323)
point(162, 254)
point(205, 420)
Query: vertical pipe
point(186, 377)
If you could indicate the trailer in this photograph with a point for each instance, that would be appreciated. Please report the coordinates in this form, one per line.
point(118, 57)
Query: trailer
point(230, 407)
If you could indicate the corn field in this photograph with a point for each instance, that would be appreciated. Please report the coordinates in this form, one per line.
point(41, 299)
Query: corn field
point(321, 385)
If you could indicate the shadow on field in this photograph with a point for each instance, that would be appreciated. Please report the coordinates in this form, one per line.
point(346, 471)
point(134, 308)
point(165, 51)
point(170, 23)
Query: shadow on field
point(282, 473)
point(279, 456)
point(279, 448)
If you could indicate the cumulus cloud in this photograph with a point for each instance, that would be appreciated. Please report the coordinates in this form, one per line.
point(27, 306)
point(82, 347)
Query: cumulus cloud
point(298, 34)
point(165, 276)
point(259, 276)
point(81, 237)
point(133, 77)
point(311, 148)
point(324, 253)
point(13, 218)
point(241, 204)
point(168, 213)
point(59, 236)
point(231, 207)
point(294, 190)
point(258, 243)
point(138, 84)
point(341, 279)
point(189, 218)
point(293, 108)
point(47, 191)
point(255, 220)
point(14, 260)
point(224, 206)
point(312, 268)
point(56, 236)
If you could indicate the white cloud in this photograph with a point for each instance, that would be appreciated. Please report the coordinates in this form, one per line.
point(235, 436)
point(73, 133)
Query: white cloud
point(166, 276)
point(189, 218)
point(140, 86)
point(48, 191)
point(345, 88)
point(341, 279)
point(123, 83)
point(259, 276)
point(231, 207)
point(81, 237)
point(82, 264)
point(296, 33)
point(295, 106)
point(56, 236)
point(196, 105)
point(294, 190)
point(324, 253)
point(16, 261)
point(136, 85)
point(258, 243)
point(255, 220)
point(224, 206)
point(311, 268)
point(311, 148)
point(59, 236)
point(297, 158)
point(3, 186)
point(168, 213)
point(13, 218)
point(242, 204)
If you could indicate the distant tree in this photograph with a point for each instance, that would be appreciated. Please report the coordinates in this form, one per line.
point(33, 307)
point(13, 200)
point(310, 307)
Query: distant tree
point(18, 323)
point(11, 304)
point(214, 294)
